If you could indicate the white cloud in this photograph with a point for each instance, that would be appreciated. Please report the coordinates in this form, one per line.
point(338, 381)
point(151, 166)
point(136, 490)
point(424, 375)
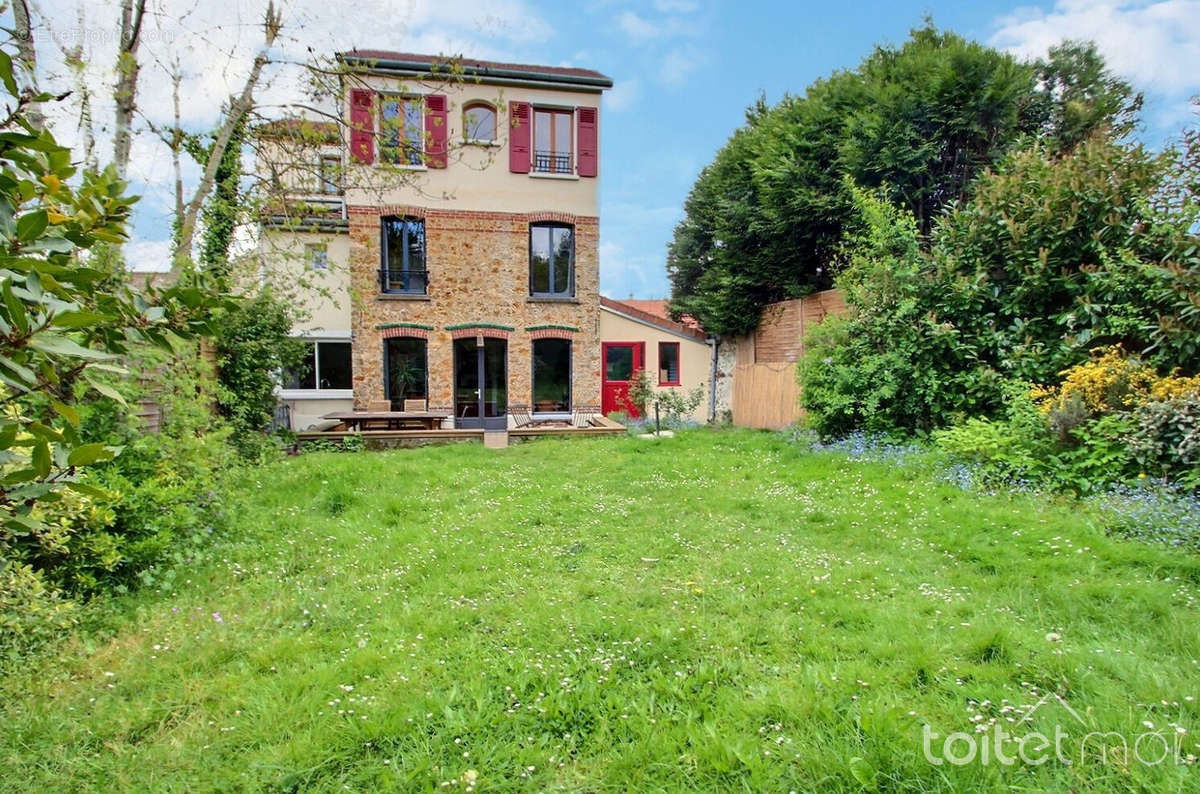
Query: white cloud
point(623, 275)
point(623, 94)
point(1153, 44)
point(678, 64)
point(149, 256)
point(637, 27)
point(676, 6)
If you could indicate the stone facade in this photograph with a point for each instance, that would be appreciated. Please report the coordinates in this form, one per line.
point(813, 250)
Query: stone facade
point(478, 266)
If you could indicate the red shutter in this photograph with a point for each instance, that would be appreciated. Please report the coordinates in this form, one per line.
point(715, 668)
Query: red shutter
point(589, 142)
point(435, 130)
point(362, 125)
point(519, 133)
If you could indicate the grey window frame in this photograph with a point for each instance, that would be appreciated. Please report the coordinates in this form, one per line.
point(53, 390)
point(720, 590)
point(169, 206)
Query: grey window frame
point(552, 225)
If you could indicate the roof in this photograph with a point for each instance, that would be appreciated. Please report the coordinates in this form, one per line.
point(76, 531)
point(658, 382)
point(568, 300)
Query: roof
point(659, 307)
point(634, 310)
point(388, 60)
point(307, 129)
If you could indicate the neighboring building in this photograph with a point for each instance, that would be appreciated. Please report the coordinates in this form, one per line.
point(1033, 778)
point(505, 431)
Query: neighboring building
point(638, 335)
point(451, 239)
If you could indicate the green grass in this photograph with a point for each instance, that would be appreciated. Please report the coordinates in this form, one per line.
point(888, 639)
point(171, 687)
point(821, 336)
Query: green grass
point(721, 611)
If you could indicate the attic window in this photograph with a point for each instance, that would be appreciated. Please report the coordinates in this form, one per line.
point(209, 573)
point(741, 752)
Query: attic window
point(479, 122)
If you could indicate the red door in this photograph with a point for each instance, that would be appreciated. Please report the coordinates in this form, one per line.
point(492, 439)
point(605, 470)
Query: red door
point(622, 360)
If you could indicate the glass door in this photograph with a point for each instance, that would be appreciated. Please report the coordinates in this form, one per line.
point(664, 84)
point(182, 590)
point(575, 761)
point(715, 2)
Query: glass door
point(481, 383)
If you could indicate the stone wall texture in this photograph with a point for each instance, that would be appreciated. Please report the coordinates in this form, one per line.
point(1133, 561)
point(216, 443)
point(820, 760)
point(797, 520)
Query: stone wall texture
point(478, 266)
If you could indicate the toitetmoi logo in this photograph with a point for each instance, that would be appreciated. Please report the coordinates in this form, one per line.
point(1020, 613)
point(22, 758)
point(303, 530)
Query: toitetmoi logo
point(1068, 740)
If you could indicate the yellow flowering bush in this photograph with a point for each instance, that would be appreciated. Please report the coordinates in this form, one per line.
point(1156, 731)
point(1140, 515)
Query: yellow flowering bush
point(1111, 381)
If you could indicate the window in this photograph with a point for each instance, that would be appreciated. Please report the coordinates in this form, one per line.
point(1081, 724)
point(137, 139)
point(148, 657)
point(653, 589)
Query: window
point(326, 366)
point(668, 363)
point(402, 130)
point(403, 267)
point(551, 375)
point(479, 122)
point(330, 174)
point(552, 141)
point(551, 260)
point(317, 256)
point(407, 369)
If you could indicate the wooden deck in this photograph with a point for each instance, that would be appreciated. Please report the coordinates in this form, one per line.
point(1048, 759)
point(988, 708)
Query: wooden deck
point(385, 439)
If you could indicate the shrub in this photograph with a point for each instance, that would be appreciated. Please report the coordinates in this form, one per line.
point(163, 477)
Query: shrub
point(1109, 419)
point(898, 361)
point(1049, 258)
point(254, 344)
point(1165, 438)
point(30, 612)
point(675, 405)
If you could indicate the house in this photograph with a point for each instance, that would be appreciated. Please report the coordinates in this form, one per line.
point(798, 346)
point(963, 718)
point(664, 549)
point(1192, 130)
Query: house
point(446, 242)
point(637, 335)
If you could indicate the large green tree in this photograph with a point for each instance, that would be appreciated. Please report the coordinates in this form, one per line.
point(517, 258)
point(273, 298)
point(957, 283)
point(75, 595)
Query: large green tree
point(765, 220)
point(1050, 258)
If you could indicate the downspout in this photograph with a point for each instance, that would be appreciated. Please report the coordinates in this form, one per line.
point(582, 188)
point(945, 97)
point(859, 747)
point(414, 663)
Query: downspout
point(712, 381)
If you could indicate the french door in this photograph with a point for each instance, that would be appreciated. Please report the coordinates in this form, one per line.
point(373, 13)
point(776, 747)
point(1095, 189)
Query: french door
point(481, 383)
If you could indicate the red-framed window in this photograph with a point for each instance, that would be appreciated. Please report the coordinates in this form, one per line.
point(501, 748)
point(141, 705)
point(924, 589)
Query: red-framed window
point(552, 144)
point(668, 363)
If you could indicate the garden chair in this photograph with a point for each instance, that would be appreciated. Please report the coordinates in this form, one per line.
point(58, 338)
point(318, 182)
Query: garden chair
point(378, 406)
point(581, 416)
point(520, 414)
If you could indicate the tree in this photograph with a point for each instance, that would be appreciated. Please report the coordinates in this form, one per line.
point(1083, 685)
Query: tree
point(1051, 258)
point(918, 122)
point(133, 14)
point(61, 320)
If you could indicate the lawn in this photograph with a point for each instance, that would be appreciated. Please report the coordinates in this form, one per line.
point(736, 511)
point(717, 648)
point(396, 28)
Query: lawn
point(720, 611)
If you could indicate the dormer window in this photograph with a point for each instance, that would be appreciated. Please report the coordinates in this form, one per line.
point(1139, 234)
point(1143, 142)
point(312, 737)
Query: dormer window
point(552, 141)
point(330, 174)
point(401, 130)
point(479, 123)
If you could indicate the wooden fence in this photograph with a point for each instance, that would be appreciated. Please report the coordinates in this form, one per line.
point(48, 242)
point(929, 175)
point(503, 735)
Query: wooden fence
point(765, 391)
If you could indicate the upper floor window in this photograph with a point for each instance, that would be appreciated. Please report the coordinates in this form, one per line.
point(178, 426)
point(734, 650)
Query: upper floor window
point(402, 269)
point(401, 130)
point(552, 141)
point(317, 255)
point(329, 174)
point(551, 260)
point(479, 122)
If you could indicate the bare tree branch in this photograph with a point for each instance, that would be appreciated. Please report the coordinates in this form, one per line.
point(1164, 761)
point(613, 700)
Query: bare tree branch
point(26, 59)
point(125, 88)
point(238, 109)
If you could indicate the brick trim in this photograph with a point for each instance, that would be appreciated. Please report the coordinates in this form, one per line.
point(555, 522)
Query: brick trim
point(555, 217)
point(479, 330)
point(433, 213)
point(551, 333)
point(393, 333)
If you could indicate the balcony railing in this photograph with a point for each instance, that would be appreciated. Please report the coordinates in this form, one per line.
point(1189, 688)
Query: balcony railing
point(552, 162)
point(403, 282)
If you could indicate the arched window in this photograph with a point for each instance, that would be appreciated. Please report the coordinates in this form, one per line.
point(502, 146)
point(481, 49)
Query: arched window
point(479, 122)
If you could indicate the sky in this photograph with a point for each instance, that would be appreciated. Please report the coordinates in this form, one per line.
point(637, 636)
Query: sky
point(684, 72)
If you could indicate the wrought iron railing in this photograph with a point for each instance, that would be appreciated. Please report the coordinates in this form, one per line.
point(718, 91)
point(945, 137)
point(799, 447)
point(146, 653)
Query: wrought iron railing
point(404, 282)
point(552, 162)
